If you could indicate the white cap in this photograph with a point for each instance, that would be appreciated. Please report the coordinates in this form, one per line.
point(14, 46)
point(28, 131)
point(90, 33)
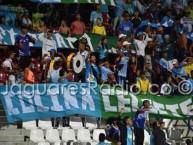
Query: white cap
point(133, 51)
point(122, 35)
point(126, 43)
point(174, 61)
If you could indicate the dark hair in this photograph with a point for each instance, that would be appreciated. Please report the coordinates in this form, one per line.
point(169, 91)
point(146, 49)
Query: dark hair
point(50, 31)
point(57, 63)
point(99, 19)
point(102, 137)
point(191, 71)
point(104, 45)
point(24, 27)
point(154, 125)
point(188, 142)
point(125, 119)
point(145, 101)
point(62, 71)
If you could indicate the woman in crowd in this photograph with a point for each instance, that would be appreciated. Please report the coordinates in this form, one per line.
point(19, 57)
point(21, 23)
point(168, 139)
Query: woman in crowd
point(29, 77)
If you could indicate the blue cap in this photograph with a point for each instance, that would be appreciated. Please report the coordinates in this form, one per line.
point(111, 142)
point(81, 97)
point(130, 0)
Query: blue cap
point(52, 50)
point(139, 33)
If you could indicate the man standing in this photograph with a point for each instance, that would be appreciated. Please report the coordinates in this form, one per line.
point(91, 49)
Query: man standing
point(10, 68)
point(159, 135)
point(22, 42)
point(47, 43)
point(141, 121)
point(122, 69)
point(126, 131)
point(92, 70)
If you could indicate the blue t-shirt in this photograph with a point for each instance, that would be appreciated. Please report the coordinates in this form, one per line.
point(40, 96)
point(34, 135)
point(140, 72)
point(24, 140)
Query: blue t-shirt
point(163, 62)
point(94, 15)
point(119, 8)
point(25, 51)
point(123, 71)
point(89, 71)
point(103, 143)
point(114, 133)
point(104, 8)
point(190, 81)
point(126, 52)
point(126, 27)
point(140, 119)
point(159, 38)
point(102, 52)
point(129, 136)
point(179, 71)
point(104, 72)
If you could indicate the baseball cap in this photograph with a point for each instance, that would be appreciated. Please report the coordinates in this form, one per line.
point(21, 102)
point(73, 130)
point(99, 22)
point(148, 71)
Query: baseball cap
point(174, 61)
point(133, 51)
point(139, 33)
point(126, 43)
point(122, 35)
point(52, 50)
point(161, 122)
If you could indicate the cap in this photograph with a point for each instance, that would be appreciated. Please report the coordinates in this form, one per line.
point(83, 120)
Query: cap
point(110, 73)
point(160, 29)
point(174, 61)
point(133, 51)
point(122, 35)
point(161, 122)
point(139, 33)
point(126, 43)
point(52, 50)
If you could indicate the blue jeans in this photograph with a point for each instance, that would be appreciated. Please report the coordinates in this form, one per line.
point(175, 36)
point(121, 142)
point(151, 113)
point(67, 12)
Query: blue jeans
point(121, 81)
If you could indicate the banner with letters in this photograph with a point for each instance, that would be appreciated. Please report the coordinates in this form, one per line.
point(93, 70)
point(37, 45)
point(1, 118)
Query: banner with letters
point(29, 102)
point(8, 34)
point(108, 2)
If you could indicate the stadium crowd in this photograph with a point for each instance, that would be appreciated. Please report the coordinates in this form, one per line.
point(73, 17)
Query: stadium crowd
point(155, 46)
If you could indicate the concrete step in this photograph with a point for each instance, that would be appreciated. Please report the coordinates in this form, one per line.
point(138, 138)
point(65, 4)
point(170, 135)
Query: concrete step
point(11, 138)
point(12, 132)
point(5, 126)
point(18, 143)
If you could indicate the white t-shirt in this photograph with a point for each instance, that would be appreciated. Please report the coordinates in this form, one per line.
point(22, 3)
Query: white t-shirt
point(53, 75)
point(47, 44)
point(26, 21)
point(140, 47)
point(7, 64)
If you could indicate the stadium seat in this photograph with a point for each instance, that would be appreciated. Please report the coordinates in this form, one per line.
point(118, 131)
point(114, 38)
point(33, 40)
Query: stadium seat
point(83, 135)
point(76, 122)
point(3, 77)
point(29, 124)
point(68, 135)
point(176, 136)
point(146, 138)
point(37, 135)
point(43, 143)
point(45, 124)
point(91, 122)
point(52, 135)
point(96, 133)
